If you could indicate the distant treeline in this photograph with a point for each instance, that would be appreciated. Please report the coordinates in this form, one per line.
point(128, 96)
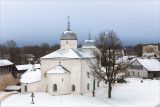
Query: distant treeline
point(10, 50)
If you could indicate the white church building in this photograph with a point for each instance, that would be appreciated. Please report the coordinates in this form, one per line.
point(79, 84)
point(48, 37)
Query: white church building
point(65, 71)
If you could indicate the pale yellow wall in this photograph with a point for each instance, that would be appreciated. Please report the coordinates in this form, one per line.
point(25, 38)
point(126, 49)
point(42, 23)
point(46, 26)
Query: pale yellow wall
point(150, 49)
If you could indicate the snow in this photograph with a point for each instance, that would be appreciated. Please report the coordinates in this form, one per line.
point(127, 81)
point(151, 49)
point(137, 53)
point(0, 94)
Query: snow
point(130, 94)
point(5, 62)
point(13, 87)
point(68, 53)
point(150, 64)
point(65, 32)
point(58, 69)
point(125, 59)
point(3, 94)
point(31, 76)
point(89, 41)
point(27, 66)
point(89, 44)
point(90, 47)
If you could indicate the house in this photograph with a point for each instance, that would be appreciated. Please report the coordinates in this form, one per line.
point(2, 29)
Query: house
point(144, 67)
point(8, 73)
point(64, 71)
point(23, 68)
point(27, 58)
point(7, 66)
point(150, 51)
point(30, 80)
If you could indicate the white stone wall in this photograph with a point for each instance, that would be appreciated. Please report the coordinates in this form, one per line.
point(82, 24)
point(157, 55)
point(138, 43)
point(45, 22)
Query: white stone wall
point(61, 80)
point(85, 80)
point(66, 44)
point(73, 65)
point(31, 87)
point(136, 72)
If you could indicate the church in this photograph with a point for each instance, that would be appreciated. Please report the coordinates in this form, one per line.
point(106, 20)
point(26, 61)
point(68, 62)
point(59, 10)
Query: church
point(64, 71)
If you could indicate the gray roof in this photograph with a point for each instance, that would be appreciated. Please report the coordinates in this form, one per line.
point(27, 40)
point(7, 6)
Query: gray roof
point(69, 54)
point(68, 35)
point(5, 62)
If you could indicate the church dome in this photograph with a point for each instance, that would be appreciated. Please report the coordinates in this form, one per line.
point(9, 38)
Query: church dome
point(68, 35)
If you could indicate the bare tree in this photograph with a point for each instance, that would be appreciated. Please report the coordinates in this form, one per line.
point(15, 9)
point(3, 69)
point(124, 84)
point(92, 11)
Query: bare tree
point(105, 67)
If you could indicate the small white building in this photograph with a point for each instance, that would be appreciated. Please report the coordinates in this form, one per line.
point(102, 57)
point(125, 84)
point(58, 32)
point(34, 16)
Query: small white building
point(144, 67)
point(23, 68)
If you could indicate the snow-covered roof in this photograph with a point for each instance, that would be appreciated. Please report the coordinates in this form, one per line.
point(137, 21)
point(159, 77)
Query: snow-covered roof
point(68, 35)
point(58, 70)
point(27, 66)
point(89, 41)
point(31, 76)
point(5, 62)
point(68, 53)
point(13, 87)
point(89, 44)
point(92, 46)
point(125, 59)
point(149, 64)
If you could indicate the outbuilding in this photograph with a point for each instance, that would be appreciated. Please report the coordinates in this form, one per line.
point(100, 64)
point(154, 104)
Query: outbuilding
point(144, 67)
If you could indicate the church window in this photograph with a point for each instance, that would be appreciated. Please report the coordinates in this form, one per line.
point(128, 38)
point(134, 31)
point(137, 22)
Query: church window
point(73, 87)
point(55, 87)
point(97, 83)
point(88, 86)
point(25, 88)
point(88, 74)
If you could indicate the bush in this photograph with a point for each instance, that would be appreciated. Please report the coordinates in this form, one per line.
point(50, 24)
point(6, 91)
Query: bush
point(121, 80)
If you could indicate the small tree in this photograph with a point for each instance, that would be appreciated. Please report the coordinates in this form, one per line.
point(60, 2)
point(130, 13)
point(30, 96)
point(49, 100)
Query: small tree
point(105, 67)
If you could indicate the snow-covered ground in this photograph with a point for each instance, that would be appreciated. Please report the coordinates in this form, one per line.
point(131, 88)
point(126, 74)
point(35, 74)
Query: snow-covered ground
point(131, 94)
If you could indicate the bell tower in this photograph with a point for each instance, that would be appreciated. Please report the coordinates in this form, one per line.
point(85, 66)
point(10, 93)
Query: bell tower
point(68, 38)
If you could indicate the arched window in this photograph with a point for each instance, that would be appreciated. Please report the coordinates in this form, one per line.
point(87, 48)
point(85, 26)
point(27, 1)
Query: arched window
point(73, 87)
point(133, 73)
point(25, 88)
point(97, 83)
point(55, 87)
point(88, 74)
point(88, 86)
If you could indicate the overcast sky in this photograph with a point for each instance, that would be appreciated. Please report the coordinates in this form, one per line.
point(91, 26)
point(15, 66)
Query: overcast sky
point(38, 21)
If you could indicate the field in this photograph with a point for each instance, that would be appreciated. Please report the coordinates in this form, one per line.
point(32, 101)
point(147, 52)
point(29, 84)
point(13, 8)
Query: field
point(130, 94)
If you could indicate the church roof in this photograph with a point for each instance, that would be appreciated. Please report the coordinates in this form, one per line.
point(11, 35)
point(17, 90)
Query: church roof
point(59, 69)
point(68, 53)
point(68, 35)
point(89, 44)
